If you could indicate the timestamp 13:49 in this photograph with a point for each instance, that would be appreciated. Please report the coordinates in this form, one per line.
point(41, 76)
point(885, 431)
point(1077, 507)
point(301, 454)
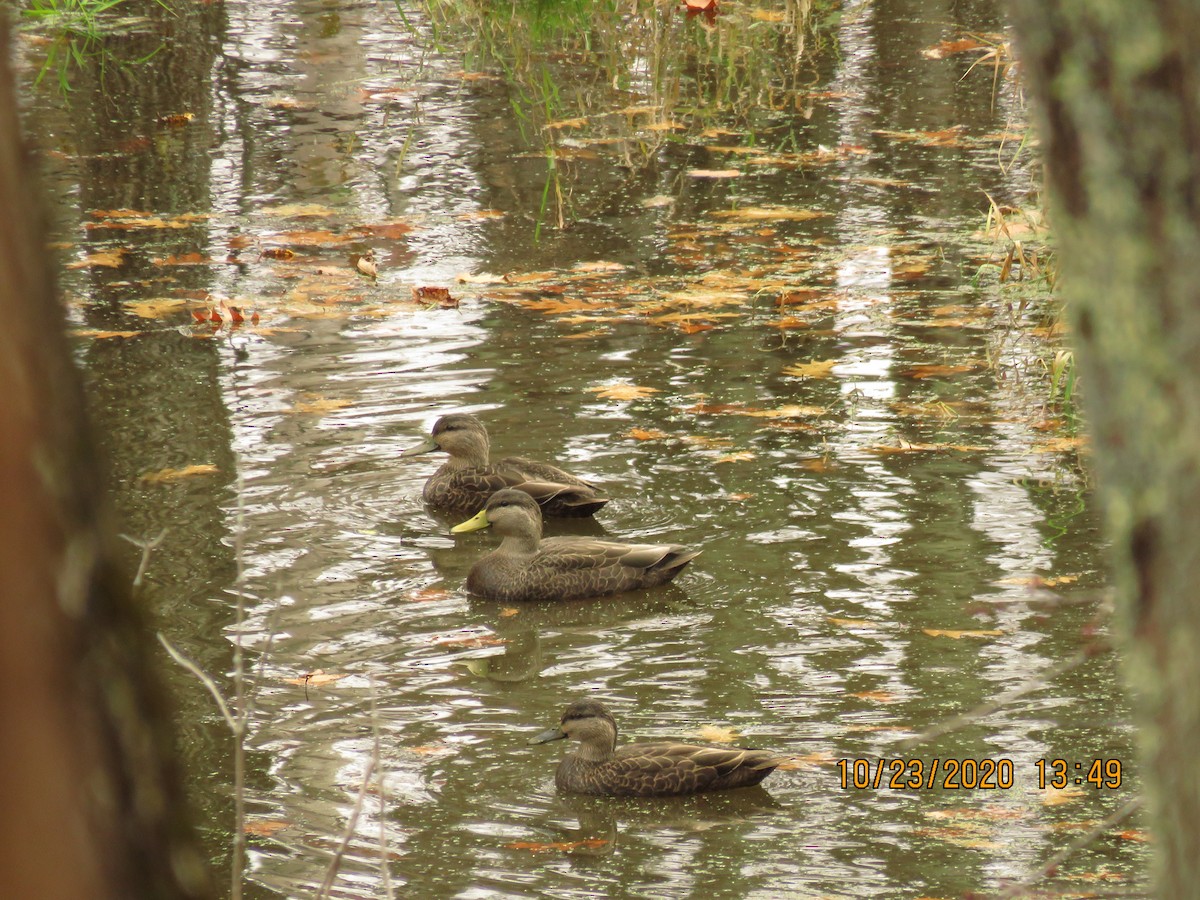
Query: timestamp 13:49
point(1058, 773)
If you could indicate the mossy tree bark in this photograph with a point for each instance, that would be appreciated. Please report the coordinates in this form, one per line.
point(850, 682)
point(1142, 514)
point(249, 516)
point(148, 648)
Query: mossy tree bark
point(91, 805)
point(1116, 89)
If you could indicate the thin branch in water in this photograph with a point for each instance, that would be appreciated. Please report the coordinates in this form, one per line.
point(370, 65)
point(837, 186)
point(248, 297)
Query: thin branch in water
point(348, 833)
point(376, 756)
point(147, 547)
point(995, 705)
point(1022, 887)
point(205, 679)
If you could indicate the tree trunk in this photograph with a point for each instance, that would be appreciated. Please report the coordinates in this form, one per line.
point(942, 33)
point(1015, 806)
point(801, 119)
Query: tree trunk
point(1116, 88)
point(91, 805)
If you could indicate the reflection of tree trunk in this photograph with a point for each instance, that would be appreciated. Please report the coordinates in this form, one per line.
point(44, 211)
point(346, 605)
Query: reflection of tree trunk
point(91, 804)
point(1117, 85)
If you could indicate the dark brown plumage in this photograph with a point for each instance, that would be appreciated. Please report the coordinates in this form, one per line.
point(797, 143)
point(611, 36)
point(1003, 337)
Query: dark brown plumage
point(525, 567)
point(463, 484)
point(658, 769)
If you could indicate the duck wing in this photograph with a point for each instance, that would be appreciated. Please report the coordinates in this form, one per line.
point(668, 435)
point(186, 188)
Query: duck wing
point(575, 553)
point(528, 470)
point(664, 768)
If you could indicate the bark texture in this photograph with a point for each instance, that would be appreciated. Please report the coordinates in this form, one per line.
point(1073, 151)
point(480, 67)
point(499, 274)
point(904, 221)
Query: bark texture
point(91, 804)
point(1116, 88)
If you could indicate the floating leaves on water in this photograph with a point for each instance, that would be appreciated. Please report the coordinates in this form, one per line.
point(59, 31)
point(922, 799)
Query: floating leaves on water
point(816, 369)
point(391, 230)
point(317, 678)
point(468, 641)
point(658, 200)
point(297, 211)
point(950, 48)
point(99, 334)
point(508, 612)
point(124, 219)
point(427, 594)
point(646, 434)
point(736, 456)
point(1037, 581)
point(903, 446)
point(567, 123)
point(623, 391)
point(769, 213)
point(176, 120)
point(715, 173)
point(1052, 796)
point(948, 137)
point(366, 265)
point(156, 307)
point(434, 296)
point(958, 635)
point(321, 405)
point(264, 827)
point(282, 253)
point(1062, 444)
point(111, 259)
point(938, 370)
point(851, 623)
point(716, 734)
point(163, 476)
point(876, 696)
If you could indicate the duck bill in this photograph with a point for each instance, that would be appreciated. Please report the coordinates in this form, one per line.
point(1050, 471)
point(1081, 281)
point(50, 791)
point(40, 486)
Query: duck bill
point(426, 446)
point(554, 734)
point(477, 522)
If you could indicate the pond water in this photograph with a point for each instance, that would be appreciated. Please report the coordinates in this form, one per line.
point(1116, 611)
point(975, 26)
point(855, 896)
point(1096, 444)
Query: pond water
point(742, 281)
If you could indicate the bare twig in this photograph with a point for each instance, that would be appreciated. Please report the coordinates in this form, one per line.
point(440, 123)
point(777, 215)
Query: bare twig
point(147, 547)
point(205, 680)
point(348, 833)
point(1023, 886)
point(986, 709)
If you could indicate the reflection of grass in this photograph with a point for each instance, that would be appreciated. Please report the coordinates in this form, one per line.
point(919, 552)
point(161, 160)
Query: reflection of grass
point(635, 73)
point(78, 29)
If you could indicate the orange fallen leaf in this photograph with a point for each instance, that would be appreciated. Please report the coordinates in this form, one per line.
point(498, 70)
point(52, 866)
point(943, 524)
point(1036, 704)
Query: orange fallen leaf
point(434, 296)
point(427, 594)
point(949, 48)
point(470, 642)
point(717, 734)
point(1058, 796)
point(508, 611)
point(851, 623)
point(937, 370)
point(876, 696)
point(816, 369)
point(715, 173)
point(769, 213)
point(623, 391)
point(316, 678)
point(166, 475)
point(646, 434)
point(176, 120)
point(99, 334)
point(366, 265)
point(956, 635)
point(567, 123)
point(111, 259)
point(736, 456)
point(277, 253)
point(264, 827)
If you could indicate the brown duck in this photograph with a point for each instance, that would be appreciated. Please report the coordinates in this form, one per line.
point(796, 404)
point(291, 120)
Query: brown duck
point(659, 769)
point(465, 481)
point(525, 567)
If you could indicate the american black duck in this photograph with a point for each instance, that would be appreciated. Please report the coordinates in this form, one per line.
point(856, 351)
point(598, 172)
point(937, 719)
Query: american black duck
point(465, 481)
point(525, 567)
point(659, 769)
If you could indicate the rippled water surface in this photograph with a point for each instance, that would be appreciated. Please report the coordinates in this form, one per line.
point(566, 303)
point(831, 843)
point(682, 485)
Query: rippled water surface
point(844, 411)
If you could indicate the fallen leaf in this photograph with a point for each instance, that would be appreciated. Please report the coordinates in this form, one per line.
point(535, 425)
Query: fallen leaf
point(111, 259)
point(949, 48)
point(166, 475)
point(99, 334)
point(937, 370)
point(817, 369)
point(393, 230)
point(716, 734)
point(623, 391)
point(297, 211)
point(156, 307)
point(715, 173)
point(769, 213)
point(956, 635)
point(434, 296)
point(427, 594)
point(264, 827)
point(1052, 796)
point(646, 434)
point(567, 123)
point(737, 456)
point(176, 120)
point(470, 642)
point(851, 623)
point(876, 696)
point(366, 265)
point(321, 405)
point(508, 612)
point(317, 678)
